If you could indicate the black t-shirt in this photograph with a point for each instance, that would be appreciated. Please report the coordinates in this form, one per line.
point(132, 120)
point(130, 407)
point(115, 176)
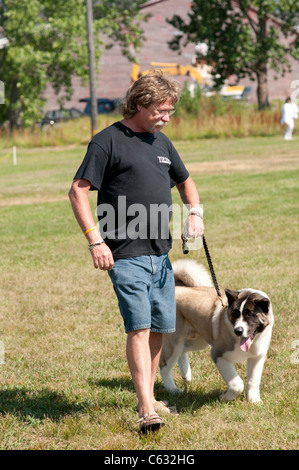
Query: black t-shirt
point(133, 173)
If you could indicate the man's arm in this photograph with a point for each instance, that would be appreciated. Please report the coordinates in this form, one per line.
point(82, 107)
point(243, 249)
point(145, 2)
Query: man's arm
point(193, 226)
point(78, 194)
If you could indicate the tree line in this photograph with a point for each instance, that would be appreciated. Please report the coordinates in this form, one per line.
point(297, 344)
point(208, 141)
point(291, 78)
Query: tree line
point(46, 43)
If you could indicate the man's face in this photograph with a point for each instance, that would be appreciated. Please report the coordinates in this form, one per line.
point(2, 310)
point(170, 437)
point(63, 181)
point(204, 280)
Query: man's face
point(155, 117)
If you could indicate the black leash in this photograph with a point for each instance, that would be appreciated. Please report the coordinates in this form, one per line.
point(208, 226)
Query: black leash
point(186, 251)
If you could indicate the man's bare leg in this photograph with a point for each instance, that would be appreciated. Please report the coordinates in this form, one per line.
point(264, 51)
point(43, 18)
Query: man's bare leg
point(143, 353)
point(155, 343)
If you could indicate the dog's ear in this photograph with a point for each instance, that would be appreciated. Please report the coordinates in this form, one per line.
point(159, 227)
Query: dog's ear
point(263, 303)
point(231, 295)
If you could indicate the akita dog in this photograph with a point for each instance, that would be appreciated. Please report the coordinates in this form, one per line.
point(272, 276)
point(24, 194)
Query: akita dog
point(239, 331)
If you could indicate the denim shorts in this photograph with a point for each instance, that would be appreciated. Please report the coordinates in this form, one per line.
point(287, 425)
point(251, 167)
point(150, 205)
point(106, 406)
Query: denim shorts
point(144, 286)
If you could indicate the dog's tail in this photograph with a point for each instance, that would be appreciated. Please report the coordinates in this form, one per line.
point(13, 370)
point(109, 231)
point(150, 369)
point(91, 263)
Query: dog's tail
point(191, 274)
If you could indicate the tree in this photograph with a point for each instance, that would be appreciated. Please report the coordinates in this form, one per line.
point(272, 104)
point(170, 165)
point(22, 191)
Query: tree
point(48, 44)
point(244, 37)
point(121, 22)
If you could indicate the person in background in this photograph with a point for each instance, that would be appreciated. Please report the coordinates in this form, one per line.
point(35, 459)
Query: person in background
point(289, 113)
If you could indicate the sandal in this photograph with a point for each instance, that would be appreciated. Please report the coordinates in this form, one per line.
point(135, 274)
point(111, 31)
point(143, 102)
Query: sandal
point(150, 422)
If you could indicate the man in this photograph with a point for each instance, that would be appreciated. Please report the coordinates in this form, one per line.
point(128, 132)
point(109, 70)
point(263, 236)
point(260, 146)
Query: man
point(289, 113)
point(133, 165)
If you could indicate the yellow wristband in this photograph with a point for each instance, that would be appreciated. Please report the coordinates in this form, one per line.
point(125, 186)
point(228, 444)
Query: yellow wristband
point(90, 229)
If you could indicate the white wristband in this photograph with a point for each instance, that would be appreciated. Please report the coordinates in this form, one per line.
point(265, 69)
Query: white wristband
point(197, 211)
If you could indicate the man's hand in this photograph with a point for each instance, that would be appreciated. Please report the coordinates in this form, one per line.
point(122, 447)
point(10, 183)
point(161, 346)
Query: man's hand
point(193, 226)
point(102, 257)
point(78, 194)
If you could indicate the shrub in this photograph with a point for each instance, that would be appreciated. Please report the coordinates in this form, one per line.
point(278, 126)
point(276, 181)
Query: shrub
point(196, 117)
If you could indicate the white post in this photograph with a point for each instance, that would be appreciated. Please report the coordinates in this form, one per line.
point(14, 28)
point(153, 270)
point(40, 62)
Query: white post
point(14, 154)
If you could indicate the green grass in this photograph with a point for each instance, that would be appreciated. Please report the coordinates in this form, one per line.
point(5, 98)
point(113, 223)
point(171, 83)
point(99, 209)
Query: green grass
point(65, 383)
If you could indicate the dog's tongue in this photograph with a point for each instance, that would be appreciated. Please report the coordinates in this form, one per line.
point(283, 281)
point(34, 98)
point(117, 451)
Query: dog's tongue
point(245, 343)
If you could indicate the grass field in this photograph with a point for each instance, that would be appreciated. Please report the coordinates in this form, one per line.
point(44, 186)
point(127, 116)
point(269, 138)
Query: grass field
point(64, 378)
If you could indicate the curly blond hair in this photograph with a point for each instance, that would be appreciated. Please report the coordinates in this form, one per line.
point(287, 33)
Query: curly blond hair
point(148, 89)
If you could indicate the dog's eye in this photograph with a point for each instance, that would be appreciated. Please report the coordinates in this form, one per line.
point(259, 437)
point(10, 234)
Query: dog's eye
point(236, 313)
point(249, 313)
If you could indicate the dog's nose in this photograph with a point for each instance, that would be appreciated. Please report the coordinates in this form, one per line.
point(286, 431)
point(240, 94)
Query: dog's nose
point(238, 331)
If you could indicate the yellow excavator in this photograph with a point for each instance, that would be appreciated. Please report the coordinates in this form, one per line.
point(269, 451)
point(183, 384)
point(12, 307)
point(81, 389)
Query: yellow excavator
point(236, 92)
point(168, 69)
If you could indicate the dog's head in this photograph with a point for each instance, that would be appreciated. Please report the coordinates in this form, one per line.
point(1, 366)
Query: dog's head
point(248, 311)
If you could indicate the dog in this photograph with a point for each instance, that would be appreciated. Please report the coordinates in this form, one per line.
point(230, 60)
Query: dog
point(238, 329)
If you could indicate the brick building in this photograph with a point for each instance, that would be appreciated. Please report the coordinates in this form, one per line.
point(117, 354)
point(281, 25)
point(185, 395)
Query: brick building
point(115, 69)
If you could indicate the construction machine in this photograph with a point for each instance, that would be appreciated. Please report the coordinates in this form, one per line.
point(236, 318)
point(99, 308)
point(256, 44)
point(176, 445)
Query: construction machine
point(168, 69)
point(200, 74)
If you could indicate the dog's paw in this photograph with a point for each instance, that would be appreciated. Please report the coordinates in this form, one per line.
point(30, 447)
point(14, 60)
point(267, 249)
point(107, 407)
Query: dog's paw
point(228, 396)
point(231, 393)
point(171, 387)
point(168, 381)
point(187, 377)
point(174, 390)
point(254, 397)
point(235, 388)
